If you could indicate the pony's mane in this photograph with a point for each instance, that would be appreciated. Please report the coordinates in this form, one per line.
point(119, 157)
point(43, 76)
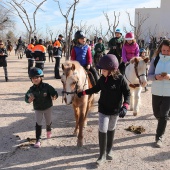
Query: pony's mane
point(135, 59)
point(71, 67)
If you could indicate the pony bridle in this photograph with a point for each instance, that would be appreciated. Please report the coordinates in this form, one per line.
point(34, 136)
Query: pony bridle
point(75, 89)
point(136, 72)
point(137, 75)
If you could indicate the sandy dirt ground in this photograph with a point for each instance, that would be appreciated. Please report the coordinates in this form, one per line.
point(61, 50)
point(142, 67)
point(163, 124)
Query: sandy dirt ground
point(17, 123)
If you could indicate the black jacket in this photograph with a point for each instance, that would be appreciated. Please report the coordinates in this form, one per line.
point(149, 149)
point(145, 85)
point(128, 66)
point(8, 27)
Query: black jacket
point(112, 92)
point(42, 94)
point(3, 61)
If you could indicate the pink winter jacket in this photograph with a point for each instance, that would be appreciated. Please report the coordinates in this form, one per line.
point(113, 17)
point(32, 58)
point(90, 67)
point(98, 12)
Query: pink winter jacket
point(129, 51)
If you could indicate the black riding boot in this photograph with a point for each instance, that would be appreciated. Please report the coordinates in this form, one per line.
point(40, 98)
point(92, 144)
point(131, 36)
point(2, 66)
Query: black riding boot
point(38, 130)
point(110, 137)
point(102, 146)
point(162, 122)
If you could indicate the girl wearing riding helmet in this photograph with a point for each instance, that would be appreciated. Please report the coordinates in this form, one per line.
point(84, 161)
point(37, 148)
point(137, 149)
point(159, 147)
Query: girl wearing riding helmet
point(130, 49)
point(142, 54)
point(113, 87)
point(41, 94)
point(81, 52)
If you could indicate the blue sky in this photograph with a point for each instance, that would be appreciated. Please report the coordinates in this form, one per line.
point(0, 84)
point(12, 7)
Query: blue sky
point(88, 11)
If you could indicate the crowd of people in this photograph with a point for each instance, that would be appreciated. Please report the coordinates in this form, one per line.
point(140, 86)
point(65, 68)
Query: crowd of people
point(115, 93)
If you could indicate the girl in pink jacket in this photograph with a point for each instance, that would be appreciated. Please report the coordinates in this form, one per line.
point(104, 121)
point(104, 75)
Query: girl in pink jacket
point(130, 48)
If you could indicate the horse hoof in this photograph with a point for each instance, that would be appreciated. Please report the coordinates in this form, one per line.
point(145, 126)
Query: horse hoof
point(134, 113)
point(75, 133)
point(79, 143)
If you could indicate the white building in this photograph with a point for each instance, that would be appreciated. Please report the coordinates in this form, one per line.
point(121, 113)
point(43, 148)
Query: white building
point(158, 23)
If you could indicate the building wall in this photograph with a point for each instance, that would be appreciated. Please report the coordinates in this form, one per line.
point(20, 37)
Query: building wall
point(157, 24)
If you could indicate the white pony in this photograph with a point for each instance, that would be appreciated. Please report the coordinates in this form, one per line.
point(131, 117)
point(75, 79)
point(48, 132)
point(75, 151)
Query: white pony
point(135, 75)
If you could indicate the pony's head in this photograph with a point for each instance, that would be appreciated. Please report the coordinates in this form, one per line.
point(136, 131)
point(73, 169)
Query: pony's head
point(140, 67)
point(70, 81)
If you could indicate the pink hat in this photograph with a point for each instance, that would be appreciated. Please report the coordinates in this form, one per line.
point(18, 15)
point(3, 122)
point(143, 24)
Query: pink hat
point(129, 36)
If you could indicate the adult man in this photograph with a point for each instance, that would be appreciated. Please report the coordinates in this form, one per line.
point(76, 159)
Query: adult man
point(57, 53)
point(115, 45)
point(29, 55)
point(38, 53)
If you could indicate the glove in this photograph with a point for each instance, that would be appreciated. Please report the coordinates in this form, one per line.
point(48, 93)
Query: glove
point(122, 112)
point(80, 94)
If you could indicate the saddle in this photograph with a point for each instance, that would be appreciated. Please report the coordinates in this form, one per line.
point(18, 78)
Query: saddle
point(91, 80)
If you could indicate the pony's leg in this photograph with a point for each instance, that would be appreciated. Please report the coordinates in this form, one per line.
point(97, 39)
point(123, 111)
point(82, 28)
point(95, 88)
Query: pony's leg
point(83, 109)
point(137, 100)
point(131, 99)
point(90, 102)
point(77, 116)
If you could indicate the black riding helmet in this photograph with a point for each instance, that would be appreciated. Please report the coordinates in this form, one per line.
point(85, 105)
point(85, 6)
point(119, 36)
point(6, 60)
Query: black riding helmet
point(36, 72)
point(108, 62)
point(78, 35)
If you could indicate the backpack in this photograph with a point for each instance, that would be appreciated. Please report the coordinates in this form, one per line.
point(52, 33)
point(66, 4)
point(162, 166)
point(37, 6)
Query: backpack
point(156, 60)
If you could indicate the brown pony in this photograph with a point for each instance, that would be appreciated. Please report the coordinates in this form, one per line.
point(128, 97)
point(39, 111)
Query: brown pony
point(9, 48)
point(75, 79)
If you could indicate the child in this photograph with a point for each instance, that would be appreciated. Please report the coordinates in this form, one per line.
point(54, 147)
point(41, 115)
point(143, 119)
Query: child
point(3, 61)
point(112, 86)
point(130, 49)
point(142, 54)
point(41, 94)
point(81, 52)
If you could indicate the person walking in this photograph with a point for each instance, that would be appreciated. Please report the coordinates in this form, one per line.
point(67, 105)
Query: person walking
point(38, 53)
point(159, 74)
point(29, 55)
point(115, 45)
point(113, 89)
point(3, 61)
point(41, 94)
point(50, 51)
point(57, 54)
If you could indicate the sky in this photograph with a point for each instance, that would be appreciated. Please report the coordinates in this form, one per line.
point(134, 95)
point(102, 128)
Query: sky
point(89, 12)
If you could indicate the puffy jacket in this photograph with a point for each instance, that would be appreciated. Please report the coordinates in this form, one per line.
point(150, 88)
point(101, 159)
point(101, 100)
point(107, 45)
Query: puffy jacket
point(82, 54)
point(42, 94)
point(162, 88)
point(118, 43)
point(112, 91)
point(129, 51)
point(38, 53)
point(29, 51)
point(57, 49)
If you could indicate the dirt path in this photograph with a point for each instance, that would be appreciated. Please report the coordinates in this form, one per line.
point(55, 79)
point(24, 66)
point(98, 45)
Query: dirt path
point(131, 151)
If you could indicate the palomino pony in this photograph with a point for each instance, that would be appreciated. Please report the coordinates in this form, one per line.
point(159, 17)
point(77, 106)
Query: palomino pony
point(75, 79)
point(135, 75)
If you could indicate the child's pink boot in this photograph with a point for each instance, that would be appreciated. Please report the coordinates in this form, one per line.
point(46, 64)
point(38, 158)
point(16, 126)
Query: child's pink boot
point(37, 145)
point(48, 134)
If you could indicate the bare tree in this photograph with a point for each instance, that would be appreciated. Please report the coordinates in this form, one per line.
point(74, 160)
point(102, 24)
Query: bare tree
point(138, 27)
point(68, 28)
point(24, 16)
point(5, 18)
point(112, 27)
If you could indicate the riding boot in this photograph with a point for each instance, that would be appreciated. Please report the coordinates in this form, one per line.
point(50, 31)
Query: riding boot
point(6, 79)
point(162, 122)
point(38, 131)
point(110, 137)
point(102, 146)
